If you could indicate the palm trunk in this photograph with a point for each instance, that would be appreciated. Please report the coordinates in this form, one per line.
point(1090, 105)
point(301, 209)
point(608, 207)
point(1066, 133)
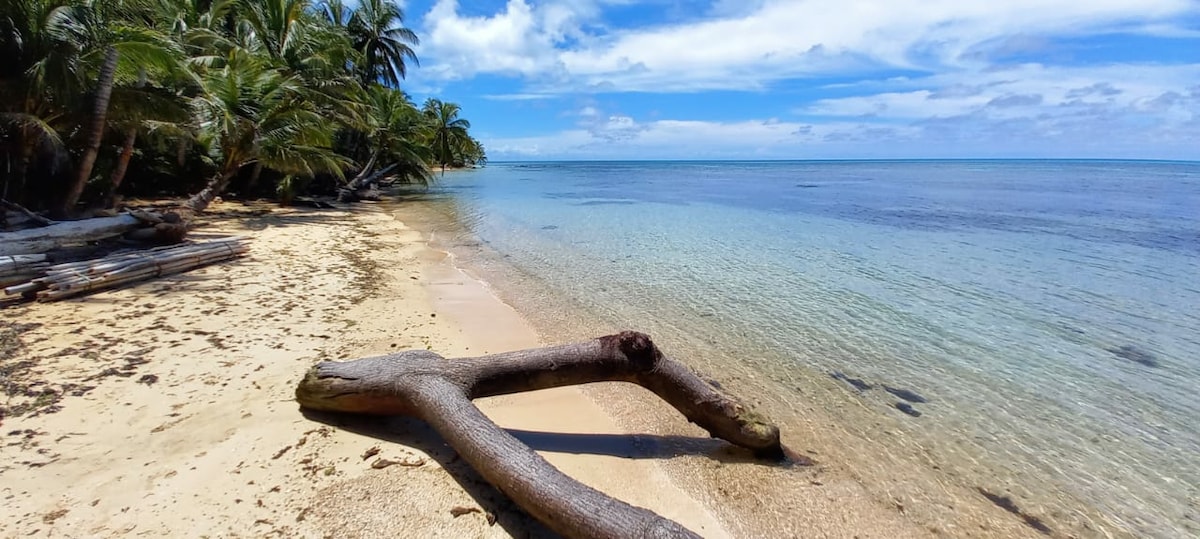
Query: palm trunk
point(28, 147)
point(357, 183)
point(254, 175)
point(104, 88)
point(215, 187)
point(181, 148)
point(118, 173)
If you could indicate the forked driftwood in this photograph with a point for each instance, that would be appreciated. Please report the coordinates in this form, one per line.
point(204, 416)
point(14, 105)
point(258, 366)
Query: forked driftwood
point(439, 390)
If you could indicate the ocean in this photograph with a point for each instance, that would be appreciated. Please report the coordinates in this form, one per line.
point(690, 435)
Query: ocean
point(1041, 317)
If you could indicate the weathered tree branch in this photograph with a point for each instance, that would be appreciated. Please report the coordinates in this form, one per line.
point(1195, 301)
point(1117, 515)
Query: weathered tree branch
point(439, 391)
point(4, 204)
point(40, 240)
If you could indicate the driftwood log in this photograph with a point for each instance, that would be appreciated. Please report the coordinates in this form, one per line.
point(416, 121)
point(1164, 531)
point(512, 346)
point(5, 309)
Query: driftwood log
point(438, 390)
point(138, 225)
point(40, 240)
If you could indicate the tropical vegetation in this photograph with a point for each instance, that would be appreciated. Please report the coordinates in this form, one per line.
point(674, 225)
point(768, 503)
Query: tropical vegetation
point(200, 97)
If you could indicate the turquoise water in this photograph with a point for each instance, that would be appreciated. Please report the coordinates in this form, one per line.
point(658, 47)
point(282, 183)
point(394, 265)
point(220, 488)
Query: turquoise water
point(1046, 310)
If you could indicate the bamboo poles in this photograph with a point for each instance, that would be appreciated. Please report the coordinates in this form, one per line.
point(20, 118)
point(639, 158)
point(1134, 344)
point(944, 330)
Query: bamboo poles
point(71, 279)
point(21, 268)
point(22, 264)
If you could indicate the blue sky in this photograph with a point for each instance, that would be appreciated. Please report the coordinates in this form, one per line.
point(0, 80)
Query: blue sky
point(801, 79)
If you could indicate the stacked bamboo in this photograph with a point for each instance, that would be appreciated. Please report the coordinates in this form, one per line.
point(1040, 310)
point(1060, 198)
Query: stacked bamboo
point(74, 278)
point(21, 268)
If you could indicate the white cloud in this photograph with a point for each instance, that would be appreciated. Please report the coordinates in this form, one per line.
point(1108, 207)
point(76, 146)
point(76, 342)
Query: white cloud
point(973, 101)
point(1021, 91)
point(750, 45)
point(1038, 118)
point(624, 137)
point(515, 41)
point(519, 97)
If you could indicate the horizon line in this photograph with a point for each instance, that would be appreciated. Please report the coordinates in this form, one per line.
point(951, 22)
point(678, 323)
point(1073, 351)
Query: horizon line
point(854, 159)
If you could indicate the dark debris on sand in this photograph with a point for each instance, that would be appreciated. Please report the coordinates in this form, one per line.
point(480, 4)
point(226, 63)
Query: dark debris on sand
point(1134, 353)
point(857, 383)
point(1007, 504)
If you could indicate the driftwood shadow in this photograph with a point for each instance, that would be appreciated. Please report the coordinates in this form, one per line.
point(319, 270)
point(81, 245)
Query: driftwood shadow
point(635, 446)
point(417, 434)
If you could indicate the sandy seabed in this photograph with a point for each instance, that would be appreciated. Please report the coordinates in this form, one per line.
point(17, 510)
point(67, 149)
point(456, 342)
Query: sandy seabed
point(165, 408)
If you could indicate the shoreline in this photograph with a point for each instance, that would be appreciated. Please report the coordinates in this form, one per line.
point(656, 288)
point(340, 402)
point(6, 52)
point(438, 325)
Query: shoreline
point(173, 413)
point(216, 445)
point(752, 498)
point(878, 474)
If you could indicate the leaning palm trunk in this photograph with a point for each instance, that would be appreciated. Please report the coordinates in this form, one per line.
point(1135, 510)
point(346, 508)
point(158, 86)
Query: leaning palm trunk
point(28, 147)
point(104, 88)
point(181, 148)
point(215, 187)
point(118, 174)
point(254, 175)
point(359, 180)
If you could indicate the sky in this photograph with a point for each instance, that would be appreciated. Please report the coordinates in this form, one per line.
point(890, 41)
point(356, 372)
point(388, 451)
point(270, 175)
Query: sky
point(815, 79)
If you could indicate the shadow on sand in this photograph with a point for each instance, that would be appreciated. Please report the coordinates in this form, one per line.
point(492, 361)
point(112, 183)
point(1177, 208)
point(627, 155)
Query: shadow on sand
point(418, 435)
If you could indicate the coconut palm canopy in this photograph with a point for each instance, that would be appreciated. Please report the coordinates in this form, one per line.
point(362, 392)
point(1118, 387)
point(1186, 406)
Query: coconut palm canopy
point(200, 96)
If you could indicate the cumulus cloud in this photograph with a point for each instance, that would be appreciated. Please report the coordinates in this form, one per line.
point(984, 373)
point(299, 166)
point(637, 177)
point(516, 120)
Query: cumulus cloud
point(1116, 87)
point(1007, 101)
point(1150, 112)
point(1080, 133)
point(516, 41)
point(622, 137)
point(969, 87)
point(557, 43)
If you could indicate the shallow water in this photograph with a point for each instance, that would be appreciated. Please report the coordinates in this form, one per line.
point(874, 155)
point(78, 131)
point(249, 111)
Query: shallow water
point(1046, 310)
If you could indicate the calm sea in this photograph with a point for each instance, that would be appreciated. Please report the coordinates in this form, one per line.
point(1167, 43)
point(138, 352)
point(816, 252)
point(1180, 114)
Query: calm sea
point(1047, 312)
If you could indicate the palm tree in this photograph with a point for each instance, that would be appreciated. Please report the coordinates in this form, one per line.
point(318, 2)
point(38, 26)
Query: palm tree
point(39, 78)
point(252, 112)
point(395, 132)
point(472, 152)
point(377, 33)
point(115, 38)
point(447, 133)
point(245, 84)
point(195, 24)
point(141, 107)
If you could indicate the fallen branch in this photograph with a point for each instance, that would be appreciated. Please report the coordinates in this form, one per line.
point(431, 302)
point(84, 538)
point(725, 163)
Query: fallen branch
point(13, 206)
point(438, 390)
point(40, 240)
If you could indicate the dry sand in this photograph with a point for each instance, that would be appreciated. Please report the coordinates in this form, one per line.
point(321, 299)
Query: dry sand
point(165, 408)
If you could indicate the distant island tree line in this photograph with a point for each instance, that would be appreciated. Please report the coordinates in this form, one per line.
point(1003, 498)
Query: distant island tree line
point(102, 98)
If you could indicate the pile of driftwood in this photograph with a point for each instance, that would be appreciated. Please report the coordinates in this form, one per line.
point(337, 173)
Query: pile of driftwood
point(70, 279)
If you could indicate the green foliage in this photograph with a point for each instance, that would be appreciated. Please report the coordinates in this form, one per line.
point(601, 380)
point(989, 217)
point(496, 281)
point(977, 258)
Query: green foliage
point(449, 140)
point(304, 91)
point(398, 133)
